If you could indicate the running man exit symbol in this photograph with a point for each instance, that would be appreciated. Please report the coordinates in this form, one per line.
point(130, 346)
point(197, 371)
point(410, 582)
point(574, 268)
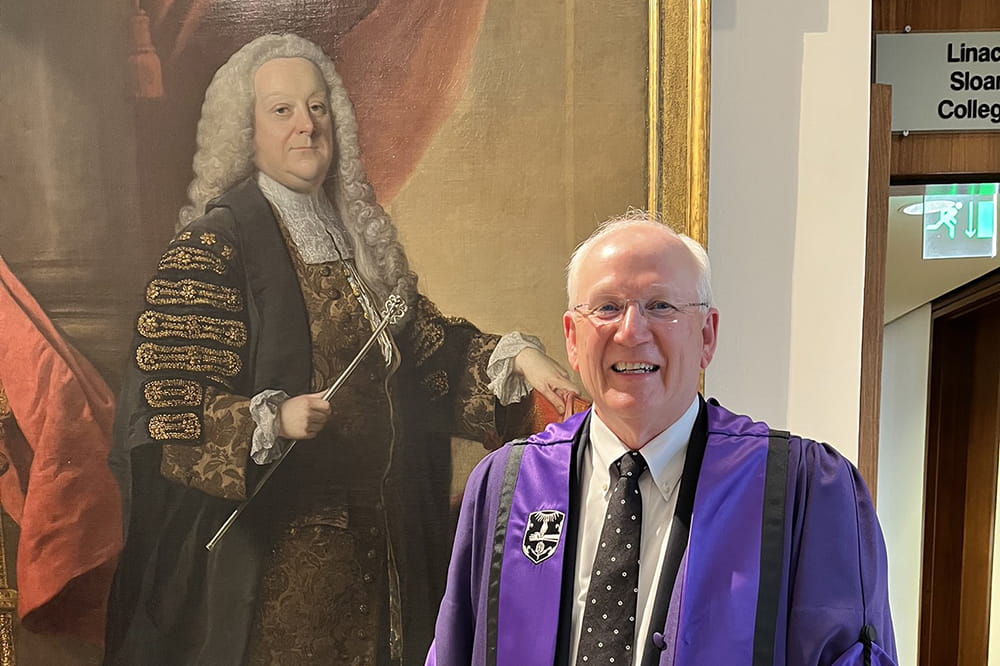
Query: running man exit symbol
point(960, 222)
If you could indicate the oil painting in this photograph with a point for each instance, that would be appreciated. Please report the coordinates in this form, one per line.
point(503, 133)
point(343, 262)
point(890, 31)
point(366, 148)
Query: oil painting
point(166, 307)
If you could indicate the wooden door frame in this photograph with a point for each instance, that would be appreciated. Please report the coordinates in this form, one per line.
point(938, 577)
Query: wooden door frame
point(873, 309)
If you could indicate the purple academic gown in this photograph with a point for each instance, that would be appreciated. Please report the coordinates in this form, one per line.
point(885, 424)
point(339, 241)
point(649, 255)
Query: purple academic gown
point(502, 602)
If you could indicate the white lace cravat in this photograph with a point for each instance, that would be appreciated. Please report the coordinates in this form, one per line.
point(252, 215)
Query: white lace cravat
point(311, 221)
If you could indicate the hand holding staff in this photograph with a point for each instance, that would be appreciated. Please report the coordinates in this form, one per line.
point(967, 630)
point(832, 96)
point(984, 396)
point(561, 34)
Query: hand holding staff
point(395, 307)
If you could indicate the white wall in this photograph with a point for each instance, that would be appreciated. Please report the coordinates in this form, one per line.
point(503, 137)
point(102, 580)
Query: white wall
point(902, 447)
point(787, 204)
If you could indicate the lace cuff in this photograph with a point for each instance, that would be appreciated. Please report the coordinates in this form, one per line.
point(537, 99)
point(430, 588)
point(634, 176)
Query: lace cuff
point(507, 385)
point(267, 446)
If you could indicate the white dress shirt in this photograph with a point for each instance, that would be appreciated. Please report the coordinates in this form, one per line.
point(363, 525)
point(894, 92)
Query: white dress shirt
point(664, 455)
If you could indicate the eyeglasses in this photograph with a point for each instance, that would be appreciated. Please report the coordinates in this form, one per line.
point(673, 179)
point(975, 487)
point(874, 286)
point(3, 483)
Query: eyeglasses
point(654, 310)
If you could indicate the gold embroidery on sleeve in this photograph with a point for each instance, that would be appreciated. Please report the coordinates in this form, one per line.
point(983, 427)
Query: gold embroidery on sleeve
point(191, 358)
point(207, 238)
point(154, 324)
point(175, 426)
point(172, 393)
point(185, 258)
point(193, 292)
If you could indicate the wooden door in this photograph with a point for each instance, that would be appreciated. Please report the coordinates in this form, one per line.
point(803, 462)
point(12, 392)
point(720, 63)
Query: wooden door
point(963, 438)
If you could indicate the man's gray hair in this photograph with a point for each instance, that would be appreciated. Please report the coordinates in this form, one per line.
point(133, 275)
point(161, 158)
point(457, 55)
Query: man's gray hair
point(225, 153)
point(632, 219)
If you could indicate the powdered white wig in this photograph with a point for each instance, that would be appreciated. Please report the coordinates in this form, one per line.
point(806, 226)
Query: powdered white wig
point(225, 152)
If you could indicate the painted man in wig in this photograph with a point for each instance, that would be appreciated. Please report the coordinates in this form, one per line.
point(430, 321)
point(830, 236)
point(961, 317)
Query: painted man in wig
point(660, 528)
point(274, 281)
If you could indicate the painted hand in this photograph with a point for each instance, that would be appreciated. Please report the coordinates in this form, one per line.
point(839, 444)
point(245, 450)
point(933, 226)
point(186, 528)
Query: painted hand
point(303, 416)
point(547, 377)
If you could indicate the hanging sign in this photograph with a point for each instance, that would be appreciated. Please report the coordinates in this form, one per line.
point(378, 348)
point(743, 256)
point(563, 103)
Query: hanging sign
point(941, 80)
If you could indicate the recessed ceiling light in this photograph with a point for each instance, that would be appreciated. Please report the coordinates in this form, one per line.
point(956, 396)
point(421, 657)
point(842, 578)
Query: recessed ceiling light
point(932, 206)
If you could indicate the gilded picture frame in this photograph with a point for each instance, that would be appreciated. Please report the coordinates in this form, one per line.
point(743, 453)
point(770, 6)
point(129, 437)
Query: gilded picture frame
point(73, 199)
point(679, 94)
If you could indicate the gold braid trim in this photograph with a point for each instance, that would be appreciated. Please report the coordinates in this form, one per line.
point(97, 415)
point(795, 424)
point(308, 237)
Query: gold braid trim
point(183, 258)
point(7, 655)
point(191, 358)
point(153, 324)
point(175, 426)
point(172, 393)
point(193, 292)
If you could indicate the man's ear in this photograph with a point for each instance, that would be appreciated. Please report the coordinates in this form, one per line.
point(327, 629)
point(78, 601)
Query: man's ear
point(709, 337)
point(569, 331)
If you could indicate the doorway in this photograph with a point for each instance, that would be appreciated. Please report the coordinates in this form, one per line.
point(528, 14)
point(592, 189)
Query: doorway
point(963, 438)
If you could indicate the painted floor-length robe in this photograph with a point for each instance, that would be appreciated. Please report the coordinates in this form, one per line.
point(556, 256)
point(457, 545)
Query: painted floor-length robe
point(501, 607)
point(228, 314)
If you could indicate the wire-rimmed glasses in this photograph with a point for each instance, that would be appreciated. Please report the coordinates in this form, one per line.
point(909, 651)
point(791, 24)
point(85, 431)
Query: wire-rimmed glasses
point(655, 310)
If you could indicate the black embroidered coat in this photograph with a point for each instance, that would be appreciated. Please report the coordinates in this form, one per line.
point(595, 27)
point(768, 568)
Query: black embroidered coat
point(231, 311)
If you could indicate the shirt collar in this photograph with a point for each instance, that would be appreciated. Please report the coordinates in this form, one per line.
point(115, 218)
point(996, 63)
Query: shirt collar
point(664, 454)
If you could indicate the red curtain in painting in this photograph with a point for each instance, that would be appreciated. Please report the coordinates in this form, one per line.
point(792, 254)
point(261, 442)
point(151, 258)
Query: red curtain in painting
point(58, 486)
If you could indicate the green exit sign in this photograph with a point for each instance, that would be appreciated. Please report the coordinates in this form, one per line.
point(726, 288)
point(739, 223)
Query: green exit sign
point(960, 220)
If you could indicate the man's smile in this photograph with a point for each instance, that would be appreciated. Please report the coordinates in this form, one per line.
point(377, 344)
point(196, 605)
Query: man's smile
point(634, 368)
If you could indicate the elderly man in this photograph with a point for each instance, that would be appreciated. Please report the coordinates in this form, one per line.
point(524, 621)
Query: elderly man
point(659, 528)
point(272, 285)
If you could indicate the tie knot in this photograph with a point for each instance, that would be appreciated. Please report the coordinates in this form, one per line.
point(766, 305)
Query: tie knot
point(631, 464)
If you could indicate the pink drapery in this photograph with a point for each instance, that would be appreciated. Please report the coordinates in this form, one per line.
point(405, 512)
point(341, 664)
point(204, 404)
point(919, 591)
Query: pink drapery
point(58, 487)
point(404, 64)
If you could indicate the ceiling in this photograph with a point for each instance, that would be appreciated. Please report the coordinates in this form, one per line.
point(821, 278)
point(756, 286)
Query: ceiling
point(910, 280)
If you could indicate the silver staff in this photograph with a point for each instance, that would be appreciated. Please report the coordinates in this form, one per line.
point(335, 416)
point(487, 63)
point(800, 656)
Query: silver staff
point(395, 307)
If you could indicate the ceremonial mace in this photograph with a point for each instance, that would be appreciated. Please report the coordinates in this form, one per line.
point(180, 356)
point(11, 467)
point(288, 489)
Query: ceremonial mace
point(395, 307)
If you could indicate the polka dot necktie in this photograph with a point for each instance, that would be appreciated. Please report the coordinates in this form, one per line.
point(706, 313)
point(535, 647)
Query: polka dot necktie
point(608, 629)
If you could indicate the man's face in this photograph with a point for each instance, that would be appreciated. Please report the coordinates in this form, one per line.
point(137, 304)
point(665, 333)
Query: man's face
point(642, 373)
point(293, 130)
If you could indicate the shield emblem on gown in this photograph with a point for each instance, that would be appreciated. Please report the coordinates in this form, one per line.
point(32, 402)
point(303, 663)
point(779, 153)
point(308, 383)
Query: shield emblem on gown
point(542, 534)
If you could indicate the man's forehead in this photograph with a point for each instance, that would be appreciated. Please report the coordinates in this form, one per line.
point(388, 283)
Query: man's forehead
point(664, 260)
point(280, 75)
point(611, 286)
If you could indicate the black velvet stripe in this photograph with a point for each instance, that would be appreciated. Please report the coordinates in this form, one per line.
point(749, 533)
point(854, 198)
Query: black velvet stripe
point(772, 545)
point(680, 528)
point(496, 560)
point(571, 531)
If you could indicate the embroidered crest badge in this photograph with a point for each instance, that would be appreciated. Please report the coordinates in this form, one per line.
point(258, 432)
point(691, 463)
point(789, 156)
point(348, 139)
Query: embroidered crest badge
point(542, 534)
